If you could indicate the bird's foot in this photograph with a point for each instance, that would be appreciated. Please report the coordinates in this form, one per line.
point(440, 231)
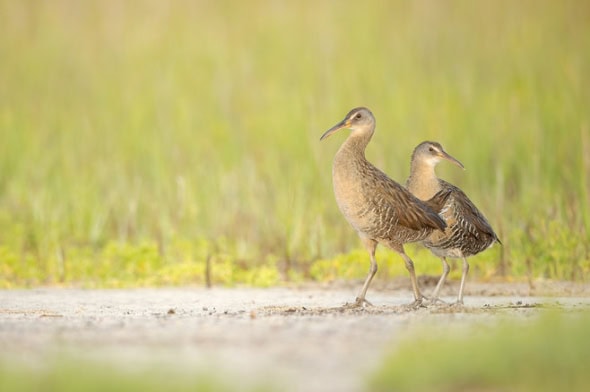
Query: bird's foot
point(436, 302)
point(418, 303)
point(358, 303)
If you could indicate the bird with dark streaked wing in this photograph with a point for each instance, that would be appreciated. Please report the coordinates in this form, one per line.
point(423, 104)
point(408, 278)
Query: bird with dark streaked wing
point(378, 208)
point(468, 232)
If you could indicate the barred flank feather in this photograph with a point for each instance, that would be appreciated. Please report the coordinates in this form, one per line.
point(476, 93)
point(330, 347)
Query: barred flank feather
point(468, 231)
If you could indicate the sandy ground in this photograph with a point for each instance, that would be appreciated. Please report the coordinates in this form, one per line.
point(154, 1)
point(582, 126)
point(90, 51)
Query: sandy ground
point(296, 339)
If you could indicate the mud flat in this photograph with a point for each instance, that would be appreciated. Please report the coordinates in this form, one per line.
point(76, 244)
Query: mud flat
point(295, 339)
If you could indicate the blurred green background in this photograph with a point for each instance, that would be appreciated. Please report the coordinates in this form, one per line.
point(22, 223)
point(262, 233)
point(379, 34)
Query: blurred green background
point(544, 354)
point(156, 143)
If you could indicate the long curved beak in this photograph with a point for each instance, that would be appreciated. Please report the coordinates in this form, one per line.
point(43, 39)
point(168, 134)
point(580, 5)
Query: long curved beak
point(341, 125)
point(446, 156)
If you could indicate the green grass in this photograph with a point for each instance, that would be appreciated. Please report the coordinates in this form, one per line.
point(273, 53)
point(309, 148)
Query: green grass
point(166, 135)
point(548, 354)
point(66, 374)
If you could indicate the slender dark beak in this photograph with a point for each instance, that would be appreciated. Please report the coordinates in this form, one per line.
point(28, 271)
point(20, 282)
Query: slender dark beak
point(446, 156)
point(341, 125)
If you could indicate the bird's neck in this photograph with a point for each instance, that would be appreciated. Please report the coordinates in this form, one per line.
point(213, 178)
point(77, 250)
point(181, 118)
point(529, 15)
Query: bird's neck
point(423, 182)
point(356, 143)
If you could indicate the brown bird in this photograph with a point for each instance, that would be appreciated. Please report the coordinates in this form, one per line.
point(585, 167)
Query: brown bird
point(378, 208)
point(467, 233)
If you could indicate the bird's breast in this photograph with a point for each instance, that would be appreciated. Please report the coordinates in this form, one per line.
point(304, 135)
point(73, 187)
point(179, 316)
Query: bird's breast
point(348, 190)
point(352, 192)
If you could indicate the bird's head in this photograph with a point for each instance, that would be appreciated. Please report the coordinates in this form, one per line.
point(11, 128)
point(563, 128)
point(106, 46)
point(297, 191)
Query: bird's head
point(432, 153)
point(357, 120)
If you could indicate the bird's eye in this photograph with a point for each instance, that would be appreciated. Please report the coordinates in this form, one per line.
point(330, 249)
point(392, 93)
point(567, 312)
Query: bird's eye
point(358, 116)
point(431, 149)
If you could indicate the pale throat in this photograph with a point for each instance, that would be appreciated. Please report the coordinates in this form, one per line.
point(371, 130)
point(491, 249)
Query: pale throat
point(423, 182)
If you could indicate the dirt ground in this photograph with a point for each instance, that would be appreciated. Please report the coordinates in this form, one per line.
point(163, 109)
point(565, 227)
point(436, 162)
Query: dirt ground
point(295, 339)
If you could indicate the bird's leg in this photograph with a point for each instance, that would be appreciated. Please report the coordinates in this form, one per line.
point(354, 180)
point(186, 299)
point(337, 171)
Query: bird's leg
point(418, 297)
point(371, 246)
point(435, 299)
point(462, 285)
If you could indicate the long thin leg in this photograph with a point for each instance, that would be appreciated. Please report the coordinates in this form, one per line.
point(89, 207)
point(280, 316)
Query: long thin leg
point(463, 276)
point(418, 297)
point(371, 246)
point(441, 281)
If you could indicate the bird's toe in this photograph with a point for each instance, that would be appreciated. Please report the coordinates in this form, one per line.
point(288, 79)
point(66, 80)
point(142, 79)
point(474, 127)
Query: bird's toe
point(358, 303)
point(418, 303)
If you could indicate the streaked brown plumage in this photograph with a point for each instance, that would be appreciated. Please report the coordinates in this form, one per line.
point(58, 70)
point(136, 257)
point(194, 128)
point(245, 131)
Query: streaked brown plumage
point(378, 208)
point(467, 233)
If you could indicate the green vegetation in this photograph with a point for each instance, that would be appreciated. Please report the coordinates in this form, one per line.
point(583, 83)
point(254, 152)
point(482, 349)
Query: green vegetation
point(549, 355)
point(171, 143)
point(68, 374)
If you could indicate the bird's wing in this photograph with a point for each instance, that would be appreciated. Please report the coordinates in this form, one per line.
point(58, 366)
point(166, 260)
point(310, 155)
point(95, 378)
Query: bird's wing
point(439, 200)
point(467, 215)
point(399, 204)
